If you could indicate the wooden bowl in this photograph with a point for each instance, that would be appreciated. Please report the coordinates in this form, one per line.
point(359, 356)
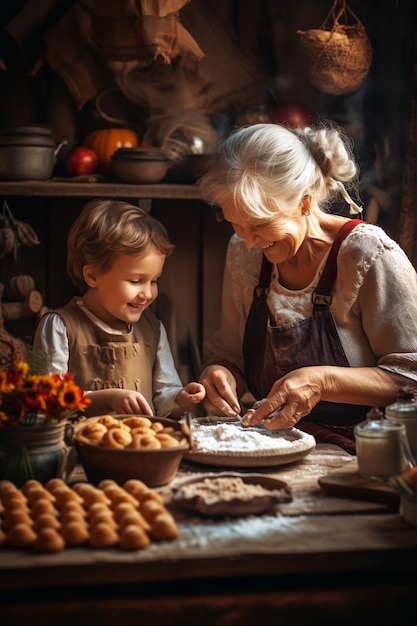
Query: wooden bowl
point(154, 467)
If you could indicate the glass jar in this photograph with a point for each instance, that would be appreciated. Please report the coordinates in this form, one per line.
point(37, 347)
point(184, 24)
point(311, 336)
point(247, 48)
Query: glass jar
point(379, 447)
point(404, 411)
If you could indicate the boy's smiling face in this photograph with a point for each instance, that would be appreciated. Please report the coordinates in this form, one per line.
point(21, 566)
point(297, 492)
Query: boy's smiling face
point(119, 295)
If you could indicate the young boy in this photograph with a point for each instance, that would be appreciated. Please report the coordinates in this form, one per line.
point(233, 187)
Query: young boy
point(114, 346)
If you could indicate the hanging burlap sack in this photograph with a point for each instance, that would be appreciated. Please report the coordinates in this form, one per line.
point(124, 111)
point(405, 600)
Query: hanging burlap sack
point(339, 57)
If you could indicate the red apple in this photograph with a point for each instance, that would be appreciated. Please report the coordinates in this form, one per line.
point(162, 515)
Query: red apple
point(81, 161)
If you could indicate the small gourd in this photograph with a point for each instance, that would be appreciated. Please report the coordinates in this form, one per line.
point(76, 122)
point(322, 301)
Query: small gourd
point(106, 141)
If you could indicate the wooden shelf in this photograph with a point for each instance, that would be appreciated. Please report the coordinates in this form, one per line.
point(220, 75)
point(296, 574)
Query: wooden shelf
point(54, 188)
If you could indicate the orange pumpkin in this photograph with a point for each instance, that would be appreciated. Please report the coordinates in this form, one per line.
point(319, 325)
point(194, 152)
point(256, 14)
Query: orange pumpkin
point(106, 141)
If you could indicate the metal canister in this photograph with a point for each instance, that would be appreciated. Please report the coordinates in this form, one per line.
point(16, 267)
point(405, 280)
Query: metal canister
point(404, 411)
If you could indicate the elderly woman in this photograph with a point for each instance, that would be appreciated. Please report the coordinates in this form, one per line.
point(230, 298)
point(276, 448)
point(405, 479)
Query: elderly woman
point(319, 311)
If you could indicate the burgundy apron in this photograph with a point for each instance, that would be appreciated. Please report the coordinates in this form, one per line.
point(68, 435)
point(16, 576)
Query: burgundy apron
point(270, 352)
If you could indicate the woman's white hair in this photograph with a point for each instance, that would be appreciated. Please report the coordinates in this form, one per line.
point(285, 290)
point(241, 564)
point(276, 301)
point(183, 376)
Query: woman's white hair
point(269, 168)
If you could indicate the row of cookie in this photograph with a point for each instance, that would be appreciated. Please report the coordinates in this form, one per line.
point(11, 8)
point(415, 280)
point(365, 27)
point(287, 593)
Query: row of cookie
point(55, 516)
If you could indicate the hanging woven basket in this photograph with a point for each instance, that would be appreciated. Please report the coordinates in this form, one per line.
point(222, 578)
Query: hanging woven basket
point(338, 58)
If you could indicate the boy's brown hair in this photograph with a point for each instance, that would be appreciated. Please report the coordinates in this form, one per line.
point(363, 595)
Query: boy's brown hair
point(106, 228)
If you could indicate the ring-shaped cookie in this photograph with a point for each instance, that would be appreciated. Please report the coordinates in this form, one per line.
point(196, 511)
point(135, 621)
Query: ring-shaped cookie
point(137, 421)
point(116, 438)
point(107, 420)
point(91, 433)
point(145, 442)
point(166, 440)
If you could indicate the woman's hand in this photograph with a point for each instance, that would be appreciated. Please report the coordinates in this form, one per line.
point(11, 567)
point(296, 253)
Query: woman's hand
point(292, 397)
point(221, 391)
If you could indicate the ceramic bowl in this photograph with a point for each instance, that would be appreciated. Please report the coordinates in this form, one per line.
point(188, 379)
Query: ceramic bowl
point(140, 166)
point(154, 467)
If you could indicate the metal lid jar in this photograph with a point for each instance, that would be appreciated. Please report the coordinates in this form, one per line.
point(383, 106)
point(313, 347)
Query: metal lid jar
point(404, 411)
point(379, 447)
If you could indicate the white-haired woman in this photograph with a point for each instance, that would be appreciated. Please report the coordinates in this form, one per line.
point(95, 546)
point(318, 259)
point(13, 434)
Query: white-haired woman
point(319, 311)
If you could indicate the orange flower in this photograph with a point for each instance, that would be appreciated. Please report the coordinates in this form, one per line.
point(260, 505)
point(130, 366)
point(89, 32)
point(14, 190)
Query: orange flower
point(23, 395)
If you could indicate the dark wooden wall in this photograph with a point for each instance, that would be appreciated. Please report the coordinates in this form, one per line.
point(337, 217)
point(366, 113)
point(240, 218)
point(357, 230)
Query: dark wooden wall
point(190, 288)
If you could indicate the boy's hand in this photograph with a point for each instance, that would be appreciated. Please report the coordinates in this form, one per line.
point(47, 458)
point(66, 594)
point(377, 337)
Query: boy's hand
point(191, 394)
point(129, 402)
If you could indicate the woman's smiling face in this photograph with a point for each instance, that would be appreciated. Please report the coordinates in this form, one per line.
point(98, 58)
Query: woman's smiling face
point(279, 238)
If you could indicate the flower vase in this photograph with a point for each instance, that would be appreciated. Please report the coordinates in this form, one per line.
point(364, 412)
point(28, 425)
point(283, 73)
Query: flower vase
point(33, 452)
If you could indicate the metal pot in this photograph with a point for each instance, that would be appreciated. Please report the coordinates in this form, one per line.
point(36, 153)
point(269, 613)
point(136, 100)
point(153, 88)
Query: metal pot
point(28, 162)
point(20, 139)
point(37, 130)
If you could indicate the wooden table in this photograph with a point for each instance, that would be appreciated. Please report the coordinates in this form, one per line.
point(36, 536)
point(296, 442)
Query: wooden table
point(317, 560)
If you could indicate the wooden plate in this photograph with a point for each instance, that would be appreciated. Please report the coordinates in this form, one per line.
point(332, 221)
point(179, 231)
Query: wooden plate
point(207, 494)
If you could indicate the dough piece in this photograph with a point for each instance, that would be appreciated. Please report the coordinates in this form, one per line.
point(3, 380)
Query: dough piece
point(44, 520)
point(35, 493)
point(14, 503)
point(133, 518)
point(75, 533)
point(72, 506)
point(150, 509)
point(103, 518)
point(133, 537)
point(30, 484)
point(72, 516)
point(150, 494)
point(97, 508)
point(96, 496)
point(42, 505)
point(164, 528)
point(135, 487)
point(16, 516)
point(246, 418)
point(66, 494)
point(11, 495)
point(6, 486)
point(103, 535)
point(55, 483)
point(107, 482)
point(118, 494)
point(49, 540)
point(21, 536)
point(123, 508)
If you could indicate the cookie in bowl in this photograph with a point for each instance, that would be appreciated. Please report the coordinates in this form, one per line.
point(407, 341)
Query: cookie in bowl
point(132, 446)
